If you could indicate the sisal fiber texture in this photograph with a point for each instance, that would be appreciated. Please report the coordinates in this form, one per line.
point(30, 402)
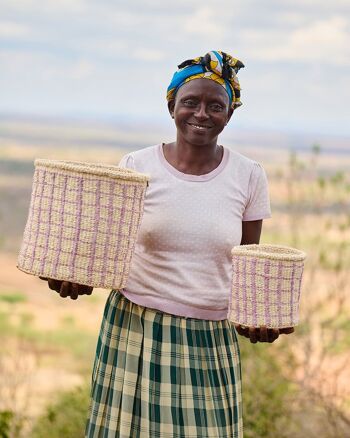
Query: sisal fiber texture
point(83, 222)
point(266, 285)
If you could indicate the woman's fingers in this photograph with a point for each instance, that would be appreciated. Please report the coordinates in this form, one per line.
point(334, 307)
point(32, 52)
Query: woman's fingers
point(65, 289)
point(242, 330)
point(74, 291)
point(273, 334)
point(287, 330)
point(68, 289)
point(239, 329)
point(84, 290)
point(257, 334)
point(263, 335)
point(253, 335)
point(54, 284)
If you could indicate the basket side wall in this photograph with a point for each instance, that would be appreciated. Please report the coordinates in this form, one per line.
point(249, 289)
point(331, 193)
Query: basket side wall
point(265, 292)
point(81, 228)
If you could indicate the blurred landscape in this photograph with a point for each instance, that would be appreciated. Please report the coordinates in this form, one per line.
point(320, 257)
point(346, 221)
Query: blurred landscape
point(297, 387)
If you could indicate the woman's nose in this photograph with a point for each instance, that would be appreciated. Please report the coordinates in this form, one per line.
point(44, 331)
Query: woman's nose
point(201, 112)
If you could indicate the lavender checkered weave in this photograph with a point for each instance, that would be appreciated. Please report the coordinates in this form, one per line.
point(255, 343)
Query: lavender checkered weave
point(83, 222)
point(266, 285)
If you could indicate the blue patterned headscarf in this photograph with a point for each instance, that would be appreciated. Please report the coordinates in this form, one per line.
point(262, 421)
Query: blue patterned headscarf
point(215, 65)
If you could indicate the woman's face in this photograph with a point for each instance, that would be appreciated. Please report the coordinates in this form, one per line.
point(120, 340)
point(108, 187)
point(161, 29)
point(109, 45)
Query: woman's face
point(201, 110)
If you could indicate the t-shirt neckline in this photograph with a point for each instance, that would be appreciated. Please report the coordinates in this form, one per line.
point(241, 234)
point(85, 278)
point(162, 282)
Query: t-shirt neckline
point(189, 177)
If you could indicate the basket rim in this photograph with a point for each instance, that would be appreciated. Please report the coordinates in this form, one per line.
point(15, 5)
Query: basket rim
point(98, 169)
point(269, 251)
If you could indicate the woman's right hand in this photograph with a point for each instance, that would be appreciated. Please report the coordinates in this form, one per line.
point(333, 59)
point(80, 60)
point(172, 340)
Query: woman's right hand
point(67, 289)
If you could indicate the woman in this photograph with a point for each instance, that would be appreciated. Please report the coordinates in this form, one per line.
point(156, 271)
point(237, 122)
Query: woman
point(167, 361)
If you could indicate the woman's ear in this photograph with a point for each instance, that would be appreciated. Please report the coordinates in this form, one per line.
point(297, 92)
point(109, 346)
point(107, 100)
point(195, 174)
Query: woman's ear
point(171, 106)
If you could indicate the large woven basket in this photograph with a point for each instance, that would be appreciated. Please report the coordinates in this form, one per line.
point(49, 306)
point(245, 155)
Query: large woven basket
point(83, 222)
point(266, 285)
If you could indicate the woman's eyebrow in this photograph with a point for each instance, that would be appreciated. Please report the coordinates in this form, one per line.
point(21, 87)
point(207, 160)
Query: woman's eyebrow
point(217, 99)
point(189, 96)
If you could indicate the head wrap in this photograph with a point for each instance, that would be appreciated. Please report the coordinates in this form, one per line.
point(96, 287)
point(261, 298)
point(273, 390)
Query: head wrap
point(215, 65)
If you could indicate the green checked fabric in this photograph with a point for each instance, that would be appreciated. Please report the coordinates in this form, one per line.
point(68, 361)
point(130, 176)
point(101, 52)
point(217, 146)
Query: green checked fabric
point(160, 375)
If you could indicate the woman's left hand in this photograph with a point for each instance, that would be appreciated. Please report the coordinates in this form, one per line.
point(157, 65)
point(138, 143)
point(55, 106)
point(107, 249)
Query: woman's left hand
point(262, 333)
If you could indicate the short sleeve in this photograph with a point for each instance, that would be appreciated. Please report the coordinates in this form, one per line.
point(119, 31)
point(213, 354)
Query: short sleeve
point(127, 161)
point(258, 205)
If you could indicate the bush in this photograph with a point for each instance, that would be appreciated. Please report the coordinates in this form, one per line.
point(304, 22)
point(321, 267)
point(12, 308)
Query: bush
point(266, 411)
point(66, 418)
point(10, 424)
point(5, 423)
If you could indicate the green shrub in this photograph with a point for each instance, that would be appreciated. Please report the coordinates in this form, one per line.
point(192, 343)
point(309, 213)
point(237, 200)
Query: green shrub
point(265, 392)
point(12, 297)
point(66, 418)
point(5, 423)
point(10, 424)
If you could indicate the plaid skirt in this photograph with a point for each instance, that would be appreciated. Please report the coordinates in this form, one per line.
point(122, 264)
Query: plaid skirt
point(160, 375)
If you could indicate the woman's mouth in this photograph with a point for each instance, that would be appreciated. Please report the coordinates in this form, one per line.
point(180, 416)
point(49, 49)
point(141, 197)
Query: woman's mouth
point(199, 127)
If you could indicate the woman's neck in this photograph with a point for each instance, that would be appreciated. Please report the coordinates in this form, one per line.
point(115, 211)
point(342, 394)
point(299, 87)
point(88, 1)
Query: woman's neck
point(193, 159)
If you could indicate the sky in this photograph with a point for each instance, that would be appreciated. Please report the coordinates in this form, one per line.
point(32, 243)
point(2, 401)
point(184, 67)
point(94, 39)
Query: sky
point(98, 58)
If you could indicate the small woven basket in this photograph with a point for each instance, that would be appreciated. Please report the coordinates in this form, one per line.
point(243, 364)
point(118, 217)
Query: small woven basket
point(266, 285)
point(83, 222)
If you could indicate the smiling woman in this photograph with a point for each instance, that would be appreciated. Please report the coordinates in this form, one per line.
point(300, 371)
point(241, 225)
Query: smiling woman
point(167, 361)
point(201, 110)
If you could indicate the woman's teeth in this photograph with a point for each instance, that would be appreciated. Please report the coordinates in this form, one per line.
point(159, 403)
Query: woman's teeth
point(199, 127)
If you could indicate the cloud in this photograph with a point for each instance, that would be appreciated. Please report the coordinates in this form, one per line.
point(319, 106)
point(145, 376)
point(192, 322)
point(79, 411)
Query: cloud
point(324, 41)
point(11, 29)
point(144, 54)
point(44, 8)
point(82, 69)
point(101, 46)
point(45, 67)
point(205, 21)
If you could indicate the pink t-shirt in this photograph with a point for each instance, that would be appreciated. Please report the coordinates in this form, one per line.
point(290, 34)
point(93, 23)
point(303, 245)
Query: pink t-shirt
point(182, 259)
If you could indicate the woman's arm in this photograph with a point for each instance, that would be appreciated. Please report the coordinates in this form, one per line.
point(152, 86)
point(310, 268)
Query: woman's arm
point(251, 231)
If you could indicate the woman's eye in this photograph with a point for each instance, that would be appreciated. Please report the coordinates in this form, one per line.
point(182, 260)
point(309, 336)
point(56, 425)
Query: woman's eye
point(216, 107)
point(189, 102)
